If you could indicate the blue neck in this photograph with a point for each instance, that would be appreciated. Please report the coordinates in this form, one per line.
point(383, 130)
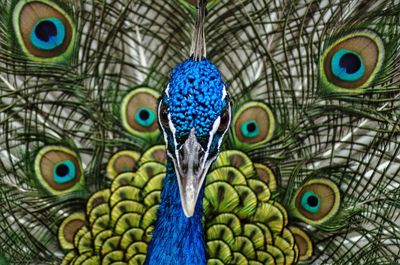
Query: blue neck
point(176, 239)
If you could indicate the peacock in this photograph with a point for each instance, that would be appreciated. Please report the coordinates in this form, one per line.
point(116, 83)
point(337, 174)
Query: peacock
point(199, 132)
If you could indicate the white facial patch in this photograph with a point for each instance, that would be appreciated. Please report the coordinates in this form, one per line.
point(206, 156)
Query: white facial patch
point(224, 93)
point(167, 91)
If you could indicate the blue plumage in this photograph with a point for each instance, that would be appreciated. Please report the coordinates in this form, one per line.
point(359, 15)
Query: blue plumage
point(195, 91)
point(176, 238)
point(193, 121)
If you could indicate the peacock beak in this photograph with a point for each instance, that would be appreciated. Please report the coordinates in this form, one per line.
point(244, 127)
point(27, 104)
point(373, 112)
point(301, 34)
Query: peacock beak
point(191, 165)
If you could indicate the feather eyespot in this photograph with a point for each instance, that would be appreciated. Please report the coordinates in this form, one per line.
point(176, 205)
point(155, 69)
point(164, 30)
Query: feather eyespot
point(303, 242)
point(121, 162)
point(310, 202)
point(316, 201)
point(64, 172)
point(44, 30)
point(253, 124)
point(58, 169)
point(250, 129)
point(138, 112)
point(347, 65)
point(145, 117)
point(69, 228)
point(352, 62)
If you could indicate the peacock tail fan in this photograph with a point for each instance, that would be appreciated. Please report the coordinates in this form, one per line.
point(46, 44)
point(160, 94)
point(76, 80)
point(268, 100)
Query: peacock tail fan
point(306, 174)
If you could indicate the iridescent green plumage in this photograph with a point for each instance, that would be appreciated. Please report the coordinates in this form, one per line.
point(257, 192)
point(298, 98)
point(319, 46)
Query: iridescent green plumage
point(308, 172)
point(242, 223)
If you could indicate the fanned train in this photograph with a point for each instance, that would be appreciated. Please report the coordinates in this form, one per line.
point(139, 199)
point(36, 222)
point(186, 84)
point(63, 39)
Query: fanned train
point(195, 132)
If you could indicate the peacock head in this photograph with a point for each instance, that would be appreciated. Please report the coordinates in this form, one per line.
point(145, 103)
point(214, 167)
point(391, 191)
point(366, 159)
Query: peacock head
point(194, 114)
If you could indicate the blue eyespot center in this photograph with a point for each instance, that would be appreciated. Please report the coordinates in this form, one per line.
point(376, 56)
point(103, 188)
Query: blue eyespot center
point(347, 65)
point(64, 172)
point(145, 117)
point(45, 30)
point(350, 62)
point(250, 129)
point(48, 34)
point(311, 202)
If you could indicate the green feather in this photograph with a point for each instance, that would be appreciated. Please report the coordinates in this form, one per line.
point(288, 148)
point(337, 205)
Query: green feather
point(274, 55)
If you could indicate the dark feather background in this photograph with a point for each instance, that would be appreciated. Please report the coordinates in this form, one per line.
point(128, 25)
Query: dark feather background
point(267, 51)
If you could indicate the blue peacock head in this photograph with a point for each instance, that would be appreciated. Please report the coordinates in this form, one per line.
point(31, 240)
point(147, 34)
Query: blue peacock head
point(194, 114)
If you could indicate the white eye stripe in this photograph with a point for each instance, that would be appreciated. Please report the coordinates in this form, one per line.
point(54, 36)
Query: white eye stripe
point(163, 130)
point(171, 127)
point(212, 133)
point(167, 91)
point(215, 128)
point(173, 130)
point(224, 93)
point(229, 118)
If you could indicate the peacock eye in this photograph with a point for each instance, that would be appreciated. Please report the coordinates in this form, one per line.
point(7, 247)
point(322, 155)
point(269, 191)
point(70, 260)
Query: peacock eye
point(347, 65)
point(122, 162)
point(58, 169)
point(44, 30)
point(164, 120)
point(250, 129)
point(253, 124)
point(225, 120)
point(145, 117)
point(311, 202)
point(352, 62)
point(303, 242)
point(69, 228)
point(64, 172)
point(138, 112)
point(48, 34)
point(316, 201)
